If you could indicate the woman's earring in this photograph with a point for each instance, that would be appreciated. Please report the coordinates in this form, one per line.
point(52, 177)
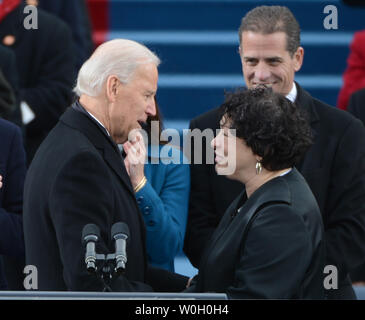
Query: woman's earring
point(258, 167)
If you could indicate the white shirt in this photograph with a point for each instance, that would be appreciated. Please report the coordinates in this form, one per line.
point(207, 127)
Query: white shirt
point(291, 96)
point(293, 93)
point(98, 122)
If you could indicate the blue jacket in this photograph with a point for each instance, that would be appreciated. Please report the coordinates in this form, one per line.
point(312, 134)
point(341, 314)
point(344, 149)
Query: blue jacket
point(163, 202)
point(12, 169)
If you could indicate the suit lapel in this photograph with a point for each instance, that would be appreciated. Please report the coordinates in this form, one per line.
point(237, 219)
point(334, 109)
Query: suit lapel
point(305, 102)
point(116, 163)
point(103, 143)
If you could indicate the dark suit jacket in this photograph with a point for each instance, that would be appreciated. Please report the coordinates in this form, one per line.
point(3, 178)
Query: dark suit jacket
point(45, 64)
point(248, 256)
point(334, 168)
point(357, 108)
point(7, 98)
point(76, 15)
point(357, 105)
point(78, 177)
point(9, 69)
point(12, 169)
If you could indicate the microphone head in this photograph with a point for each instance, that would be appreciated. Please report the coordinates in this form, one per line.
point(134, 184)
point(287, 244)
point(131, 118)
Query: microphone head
point(90, 231)
point(120, 228)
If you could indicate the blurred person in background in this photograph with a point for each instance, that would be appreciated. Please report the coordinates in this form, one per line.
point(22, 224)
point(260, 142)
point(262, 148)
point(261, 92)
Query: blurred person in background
point(12, 173)
point(354, 75)
point(76, 15)
point(162, 193)
point(45, 64)
point(10, 110)
point(12, 169)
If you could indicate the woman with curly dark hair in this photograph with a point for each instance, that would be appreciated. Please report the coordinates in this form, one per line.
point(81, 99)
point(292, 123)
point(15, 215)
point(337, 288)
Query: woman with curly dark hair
point(269, 244)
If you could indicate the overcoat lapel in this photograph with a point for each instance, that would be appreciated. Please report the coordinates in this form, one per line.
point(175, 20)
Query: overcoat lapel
point(105, 145)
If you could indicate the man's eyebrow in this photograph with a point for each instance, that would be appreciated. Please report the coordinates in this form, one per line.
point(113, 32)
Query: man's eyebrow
point(249, 58)
point(274, 59)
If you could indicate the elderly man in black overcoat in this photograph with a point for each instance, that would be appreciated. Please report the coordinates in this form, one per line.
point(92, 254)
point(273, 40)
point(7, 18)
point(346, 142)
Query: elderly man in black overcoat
point(78, 175)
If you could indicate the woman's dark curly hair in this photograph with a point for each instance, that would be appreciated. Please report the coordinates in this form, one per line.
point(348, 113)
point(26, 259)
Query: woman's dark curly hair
point(272, 126)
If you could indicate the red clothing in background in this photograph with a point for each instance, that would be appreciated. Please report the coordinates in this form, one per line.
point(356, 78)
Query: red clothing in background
point(6, 6)
point(354, 76)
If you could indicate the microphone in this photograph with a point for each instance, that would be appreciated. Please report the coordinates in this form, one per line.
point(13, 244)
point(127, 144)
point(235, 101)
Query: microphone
point(120, 233)
point(90, 235)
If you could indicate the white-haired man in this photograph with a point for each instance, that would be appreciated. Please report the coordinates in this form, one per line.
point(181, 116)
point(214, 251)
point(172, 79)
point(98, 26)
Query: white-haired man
point(78, 177)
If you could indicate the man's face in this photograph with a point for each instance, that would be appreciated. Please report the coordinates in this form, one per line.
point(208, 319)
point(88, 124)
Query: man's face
point(266, 61)
point(134, 102)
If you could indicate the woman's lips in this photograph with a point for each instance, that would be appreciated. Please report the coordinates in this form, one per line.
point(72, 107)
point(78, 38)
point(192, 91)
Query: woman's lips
point(220, 160)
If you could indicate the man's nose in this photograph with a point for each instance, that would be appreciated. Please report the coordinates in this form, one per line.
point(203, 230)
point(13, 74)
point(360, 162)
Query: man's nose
point(262, 72)
point(151, 108)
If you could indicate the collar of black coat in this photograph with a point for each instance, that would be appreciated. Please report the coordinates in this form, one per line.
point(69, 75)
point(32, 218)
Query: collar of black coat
point(306, 102)
point(77, 106)
point(275, 190)
point(75, 118)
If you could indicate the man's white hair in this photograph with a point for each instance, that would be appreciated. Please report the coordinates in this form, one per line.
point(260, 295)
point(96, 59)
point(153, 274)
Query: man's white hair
point(119, 57)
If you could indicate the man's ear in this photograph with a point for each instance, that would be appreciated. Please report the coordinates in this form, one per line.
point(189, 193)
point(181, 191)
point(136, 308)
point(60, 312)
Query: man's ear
point(298, 58)
point(112, 84)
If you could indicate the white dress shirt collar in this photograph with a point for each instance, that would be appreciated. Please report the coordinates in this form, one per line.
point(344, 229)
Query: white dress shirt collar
point(98, 122)
point(293, 93)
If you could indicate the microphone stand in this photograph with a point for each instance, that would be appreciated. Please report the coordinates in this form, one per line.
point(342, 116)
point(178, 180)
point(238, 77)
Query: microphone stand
point(106, 270)
point(105, 267)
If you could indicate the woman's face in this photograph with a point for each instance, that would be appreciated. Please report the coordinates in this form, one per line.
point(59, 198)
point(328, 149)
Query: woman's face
point(233, 157)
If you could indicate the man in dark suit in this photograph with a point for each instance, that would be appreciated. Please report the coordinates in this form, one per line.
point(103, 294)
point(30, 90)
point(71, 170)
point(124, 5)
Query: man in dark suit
point(76, 15)
point(9, 110)
point(9, 72)
point(334, 167)
point(46, 69)
point(7, 98)
point(357, 105)
point(78, 176)
point(357, 108)
point(12, 172)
